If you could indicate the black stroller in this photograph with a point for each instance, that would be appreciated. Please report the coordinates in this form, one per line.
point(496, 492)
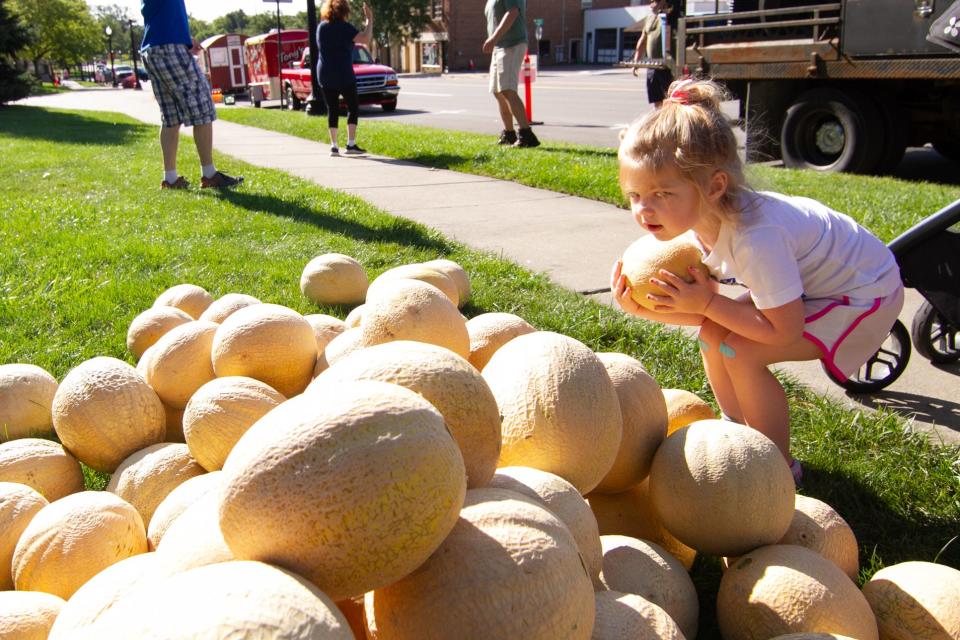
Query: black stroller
point(929, 257)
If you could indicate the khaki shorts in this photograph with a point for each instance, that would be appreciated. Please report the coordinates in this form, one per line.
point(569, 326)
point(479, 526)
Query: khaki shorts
point(505, 67)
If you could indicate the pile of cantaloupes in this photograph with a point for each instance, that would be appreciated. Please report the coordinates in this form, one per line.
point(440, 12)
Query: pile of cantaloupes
point(407, 473)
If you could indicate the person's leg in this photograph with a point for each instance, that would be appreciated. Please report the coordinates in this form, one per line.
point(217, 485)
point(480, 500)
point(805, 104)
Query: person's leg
point(169, 142)
point(353, 118)
point(203, 139)
point(760, 395)
point(517, 108)
point(331, 97)
point(506, 115)
point(710, 338)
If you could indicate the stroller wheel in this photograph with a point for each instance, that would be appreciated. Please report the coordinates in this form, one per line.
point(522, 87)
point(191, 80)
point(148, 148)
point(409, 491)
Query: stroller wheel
point(934, 337)
point(883, 367)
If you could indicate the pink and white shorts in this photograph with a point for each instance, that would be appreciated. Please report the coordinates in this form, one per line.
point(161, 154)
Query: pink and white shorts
point(850, 330)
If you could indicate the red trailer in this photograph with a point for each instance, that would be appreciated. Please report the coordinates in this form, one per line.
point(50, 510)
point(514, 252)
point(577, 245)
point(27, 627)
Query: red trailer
point(263, 67)
point(221, 58)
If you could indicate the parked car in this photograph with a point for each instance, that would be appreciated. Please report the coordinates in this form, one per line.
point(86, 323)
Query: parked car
point(376, 83)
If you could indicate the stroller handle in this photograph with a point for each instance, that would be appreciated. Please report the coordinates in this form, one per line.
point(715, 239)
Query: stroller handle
point(923, 230)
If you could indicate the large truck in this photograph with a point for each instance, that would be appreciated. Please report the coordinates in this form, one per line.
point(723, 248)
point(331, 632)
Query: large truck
point(842, 86)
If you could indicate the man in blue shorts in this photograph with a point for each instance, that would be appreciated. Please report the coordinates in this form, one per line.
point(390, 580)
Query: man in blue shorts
point(181, 91)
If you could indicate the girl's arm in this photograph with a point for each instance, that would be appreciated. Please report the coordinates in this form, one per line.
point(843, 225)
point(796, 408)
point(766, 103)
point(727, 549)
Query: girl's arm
point(622, 294)
point(366, 36)
point(781, 325)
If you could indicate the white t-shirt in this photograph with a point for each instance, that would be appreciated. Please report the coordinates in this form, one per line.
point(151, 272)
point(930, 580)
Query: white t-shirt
point(782, 248)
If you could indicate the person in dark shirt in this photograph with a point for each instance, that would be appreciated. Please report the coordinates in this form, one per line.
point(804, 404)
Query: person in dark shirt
point(336, 38)
point(181, 90)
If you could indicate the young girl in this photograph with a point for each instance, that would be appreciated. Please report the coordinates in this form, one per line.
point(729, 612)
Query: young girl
point(817, 284)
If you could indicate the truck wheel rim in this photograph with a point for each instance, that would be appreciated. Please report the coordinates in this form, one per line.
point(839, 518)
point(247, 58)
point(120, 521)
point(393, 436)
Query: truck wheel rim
point(830, 137)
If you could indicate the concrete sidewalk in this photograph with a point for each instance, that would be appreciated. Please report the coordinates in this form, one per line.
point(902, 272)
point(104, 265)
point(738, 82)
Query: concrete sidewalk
point(573, 240)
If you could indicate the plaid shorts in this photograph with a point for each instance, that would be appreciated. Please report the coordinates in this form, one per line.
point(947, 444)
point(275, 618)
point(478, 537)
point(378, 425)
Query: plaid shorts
point(181, 89)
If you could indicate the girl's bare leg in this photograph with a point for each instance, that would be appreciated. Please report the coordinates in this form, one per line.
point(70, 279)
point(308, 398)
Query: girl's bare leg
point(711, 338)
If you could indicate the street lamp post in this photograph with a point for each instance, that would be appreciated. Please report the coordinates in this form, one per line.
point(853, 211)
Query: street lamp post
point(315, 105)
point(133, 55)
point(113, 76)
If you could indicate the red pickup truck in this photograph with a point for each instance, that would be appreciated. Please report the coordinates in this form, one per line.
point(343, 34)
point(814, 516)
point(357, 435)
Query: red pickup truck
point(376, 83)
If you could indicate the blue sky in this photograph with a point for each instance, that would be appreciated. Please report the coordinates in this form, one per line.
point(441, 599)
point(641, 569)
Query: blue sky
point(210, 9)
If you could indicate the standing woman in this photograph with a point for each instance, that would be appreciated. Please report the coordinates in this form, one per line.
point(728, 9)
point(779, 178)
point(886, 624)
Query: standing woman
point(335, 39)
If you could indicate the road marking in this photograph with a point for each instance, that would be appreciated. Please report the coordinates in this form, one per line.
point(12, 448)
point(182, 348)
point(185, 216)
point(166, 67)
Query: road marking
point(432, 95)
point(619, 126)
point(448, 112)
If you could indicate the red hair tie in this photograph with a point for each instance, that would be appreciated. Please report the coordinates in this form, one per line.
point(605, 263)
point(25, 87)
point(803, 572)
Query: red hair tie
point(680, 95)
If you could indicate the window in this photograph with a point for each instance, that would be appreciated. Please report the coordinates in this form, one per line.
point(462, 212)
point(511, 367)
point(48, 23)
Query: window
point(436, 9)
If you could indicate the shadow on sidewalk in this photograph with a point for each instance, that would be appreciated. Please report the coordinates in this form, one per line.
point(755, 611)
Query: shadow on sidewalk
point(394, 230)
point(39, 123)
point(943, 413)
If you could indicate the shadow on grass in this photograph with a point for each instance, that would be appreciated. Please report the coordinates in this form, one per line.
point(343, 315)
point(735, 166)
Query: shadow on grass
point(895, 537)
point(944, 413)
point(38, 123)
point(396, 231)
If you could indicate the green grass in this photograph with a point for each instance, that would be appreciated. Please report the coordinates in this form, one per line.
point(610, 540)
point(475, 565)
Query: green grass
point(89, 241)
point(886, 206)
point(46, 89)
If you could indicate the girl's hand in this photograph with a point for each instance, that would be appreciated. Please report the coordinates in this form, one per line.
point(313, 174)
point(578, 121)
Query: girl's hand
point(367, 11)
point(621, 292)
point(680, 296)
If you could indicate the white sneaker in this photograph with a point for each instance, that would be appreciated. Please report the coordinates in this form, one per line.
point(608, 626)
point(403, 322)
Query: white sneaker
point(334, 151)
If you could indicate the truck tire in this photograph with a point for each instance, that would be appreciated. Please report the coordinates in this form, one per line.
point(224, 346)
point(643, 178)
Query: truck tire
point(895, 133)
point(389, 106)
point(827, 129)
point(948, 147)
point(293, 102)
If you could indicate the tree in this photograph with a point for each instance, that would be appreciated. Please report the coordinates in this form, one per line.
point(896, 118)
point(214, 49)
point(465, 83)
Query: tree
point(200, 29)
point(60, 30)
point(115, 17)
point(394, 21)
point(233, 22)
point(13, 38)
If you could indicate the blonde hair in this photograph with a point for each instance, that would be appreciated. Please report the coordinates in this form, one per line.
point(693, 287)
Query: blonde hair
point(334, 10)
point(690, 132)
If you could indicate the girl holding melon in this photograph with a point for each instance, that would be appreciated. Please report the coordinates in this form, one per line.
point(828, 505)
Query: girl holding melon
point(816, 284)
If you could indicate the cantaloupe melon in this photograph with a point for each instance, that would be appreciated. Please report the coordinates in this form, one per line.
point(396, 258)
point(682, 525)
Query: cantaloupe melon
point(353, 318)
point(780, 589)
point(352, 486)
point(177, 501)
point(194, 539)
point(104, 411)
point(187, 297)
point(490, 331)
point(334, 278)
point(227, 600)
point(26, 395)
point(558, 403)
point(446, 381)
point(416, 272)
point(644, 421)
point(645, 258)
point(28, 615)
point(414, 310)
point(146, 477)
point(173, 419)
point(684, 407)
point(509, 569)
point(18, 504)
point(71, 540)
point(339, 347)
point(630, 513)
point(627, 615)
point(220, 412)
point(42, 465)
point(648, 570)
point(325, 328)
point(817, 526)
point(812, 636)
point(915, 600)
point(267, 342)
point(455, 272)
point(564, 501)
point(722, 488)
point(179, 363)
point(222, 307)
point(103, 590)
point(151, 325)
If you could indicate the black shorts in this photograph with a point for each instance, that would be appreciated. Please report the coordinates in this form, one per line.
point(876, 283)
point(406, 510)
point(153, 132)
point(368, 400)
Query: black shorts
point(658, 81)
